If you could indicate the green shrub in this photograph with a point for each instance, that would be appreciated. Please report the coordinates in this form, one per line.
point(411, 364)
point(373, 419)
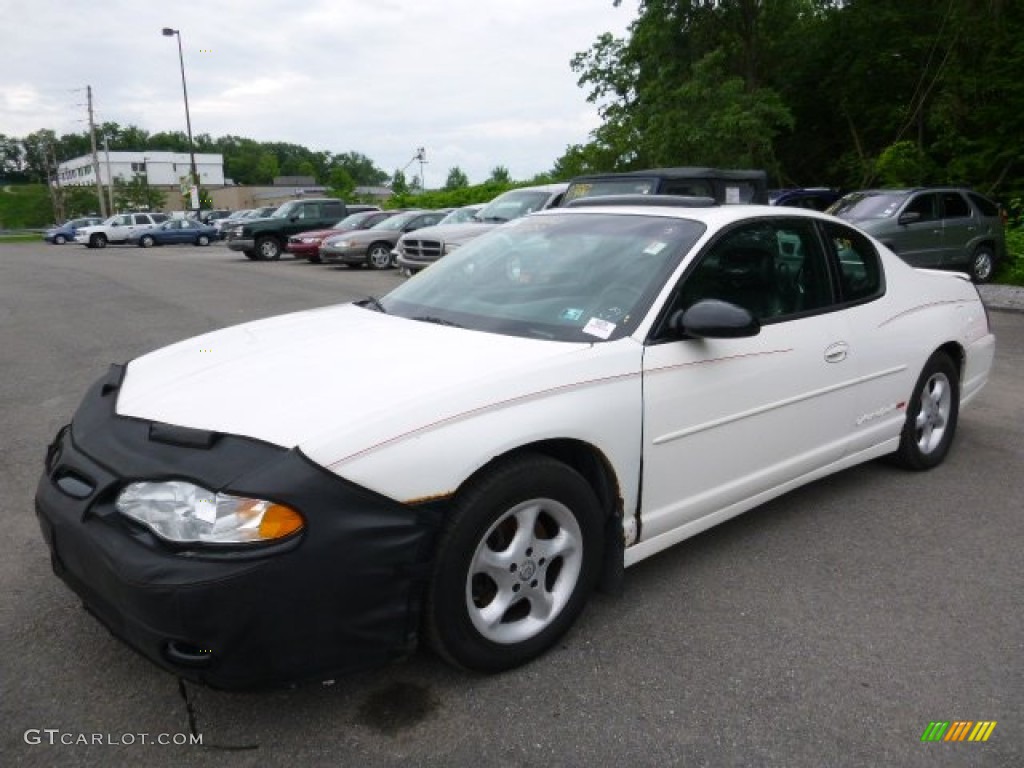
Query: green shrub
point(1011, 271)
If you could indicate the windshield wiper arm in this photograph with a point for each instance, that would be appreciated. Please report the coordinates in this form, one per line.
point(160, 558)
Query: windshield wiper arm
point(437, 321)
point(371, 302)
point(499, 219)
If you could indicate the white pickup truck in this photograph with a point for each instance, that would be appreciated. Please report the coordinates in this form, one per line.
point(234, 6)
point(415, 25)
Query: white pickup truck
point(117, 228)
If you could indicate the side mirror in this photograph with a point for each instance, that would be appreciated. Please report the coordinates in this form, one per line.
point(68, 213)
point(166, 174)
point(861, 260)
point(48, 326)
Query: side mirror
point(909, 217)
point(714, 319)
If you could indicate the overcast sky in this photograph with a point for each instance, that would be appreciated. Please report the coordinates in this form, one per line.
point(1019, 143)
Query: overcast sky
point(477, 83)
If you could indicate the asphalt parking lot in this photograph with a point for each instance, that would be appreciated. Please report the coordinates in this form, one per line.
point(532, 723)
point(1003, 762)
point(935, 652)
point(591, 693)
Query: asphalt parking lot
point(826, 628)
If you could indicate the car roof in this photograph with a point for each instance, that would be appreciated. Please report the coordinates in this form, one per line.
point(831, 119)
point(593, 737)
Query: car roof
point(714, 216)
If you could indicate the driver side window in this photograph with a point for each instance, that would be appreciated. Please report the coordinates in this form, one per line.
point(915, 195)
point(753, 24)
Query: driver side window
point(776, 270)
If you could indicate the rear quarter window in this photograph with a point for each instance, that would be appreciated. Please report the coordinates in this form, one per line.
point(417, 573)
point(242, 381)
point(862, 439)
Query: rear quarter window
point(983, 204)
point(860, 268)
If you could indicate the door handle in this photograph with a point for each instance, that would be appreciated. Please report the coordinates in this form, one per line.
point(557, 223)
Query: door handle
point(836, 353)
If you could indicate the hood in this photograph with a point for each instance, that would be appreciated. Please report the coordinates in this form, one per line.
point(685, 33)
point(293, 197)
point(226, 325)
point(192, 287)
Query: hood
point(453, 233)
point(344, 375)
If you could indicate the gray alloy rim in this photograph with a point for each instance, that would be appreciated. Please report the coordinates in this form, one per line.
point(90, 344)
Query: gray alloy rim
point(933, 417)
point(380, 257)
point(147, 241)
point(204, 240)
point(982, 265)
point(524, 571)
point(268, 249)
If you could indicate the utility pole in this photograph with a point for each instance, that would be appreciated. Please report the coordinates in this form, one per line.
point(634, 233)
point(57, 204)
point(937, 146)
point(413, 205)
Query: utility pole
point(53, 183)
point(95, 156)
point(110, 176)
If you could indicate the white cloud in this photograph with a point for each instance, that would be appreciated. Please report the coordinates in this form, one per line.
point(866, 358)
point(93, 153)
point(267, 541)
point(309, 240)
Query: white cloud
point(479, 84)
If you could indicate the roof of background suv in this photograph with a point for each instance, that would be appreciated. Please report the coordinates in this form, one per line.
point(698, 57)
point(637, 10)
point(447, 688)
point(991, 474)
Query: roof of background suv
point(749, 186)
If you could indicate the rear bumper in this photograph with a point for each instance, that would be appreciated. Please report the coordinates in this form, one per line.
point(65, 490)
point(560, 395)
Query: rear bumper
point(344, 594)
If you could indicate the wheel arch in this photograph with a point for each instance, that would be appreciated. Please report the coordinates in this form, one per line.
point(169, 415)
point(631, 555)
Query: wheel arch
point(956, 353)
point(595, 468)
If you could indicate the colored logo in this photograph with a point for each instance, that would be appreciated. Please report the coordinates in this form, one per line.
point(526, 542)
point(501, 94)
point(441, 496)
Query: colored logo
point(958, 730)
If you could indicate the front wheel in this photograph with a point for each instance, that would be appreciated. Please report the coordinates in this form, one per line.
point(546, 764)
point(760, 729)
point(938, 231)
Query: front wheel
point(59, 239)
point(146, 241)
point(931, 415)
point(268, 249)
point(378, 256)
point(983, 264)
point(98, 241)
point(517, 559)
point(203, 240)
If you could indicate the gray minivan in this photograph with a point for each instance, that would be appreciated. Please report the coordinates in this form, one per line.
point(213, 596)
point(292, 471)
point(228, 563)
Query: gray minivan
point(945, 227)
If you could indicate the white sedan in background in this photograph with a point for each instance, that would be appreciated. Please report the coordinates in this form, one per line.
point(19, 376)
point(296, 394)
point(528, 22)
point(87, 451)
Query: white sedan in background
point(546, 406)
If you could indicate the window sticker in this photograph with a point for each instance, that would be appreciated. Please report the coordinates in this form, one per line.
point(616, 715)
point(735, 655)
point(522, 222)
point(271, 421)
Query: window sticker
point(655, 248)
point(602, 329)
point(571, 314)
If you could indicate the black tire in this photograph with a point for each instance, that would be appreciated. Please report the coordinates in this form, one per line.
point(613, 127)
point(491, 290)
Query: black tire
point(378, 256)
point(59, 239)
point(932, 415)
point(544, 573)
point(98, 241)
point(268, 249)
point(146, 241)
point(314, 259)
point(203, 240)
point(251, 255)
point(982, 265)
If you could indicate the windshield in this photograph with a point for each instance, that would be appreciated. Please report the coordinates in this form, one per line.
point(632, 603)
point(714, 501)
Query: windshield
point(397, 221)
point(353, 220)
point(867, 205)
point(460, 215)
point(566, 277)
point(283, 211)
point(514, 204)
point(622, 186)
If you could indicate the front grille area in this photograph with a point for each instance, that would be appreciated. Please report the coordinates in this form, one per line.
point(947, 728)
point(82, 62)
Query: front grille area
point(422, 250)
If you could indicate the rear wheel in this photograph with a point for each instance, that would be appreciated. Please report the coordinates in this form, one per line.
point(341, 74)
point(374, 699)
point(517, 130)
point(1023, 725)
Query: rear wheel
point(268, 249)
point(931, 415)
point(147, 241)
point(59, 239)
point(98, 241)
point(203, 240)
point(983, 264)
point(378, 256)
point(517, 559)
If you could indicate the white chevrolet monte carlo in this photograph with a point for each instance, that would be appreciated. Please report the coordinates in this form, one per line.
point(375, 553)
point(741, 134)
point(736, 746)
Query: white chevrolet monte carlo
point(555, 401)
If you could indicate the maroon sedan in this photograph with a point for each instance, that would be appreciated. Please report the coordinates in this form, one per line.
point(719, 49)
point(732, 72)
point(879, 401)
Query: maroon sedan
point(307, 244)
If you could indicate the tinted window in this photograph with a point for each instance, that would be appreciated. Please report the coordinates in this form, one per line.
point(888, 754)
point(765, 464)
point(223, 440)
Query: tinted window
point(860, 270)
point(954, 206)
point(334, 209)
point(924, 205)
point(774, 269)
point(986, 206)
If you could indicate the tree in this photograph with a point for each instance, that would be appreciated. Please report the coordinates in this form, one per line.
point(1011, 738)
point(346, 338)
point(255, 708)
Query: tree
point(342, 185)
point(361, 168)
point(500, 175)
point(399, 186)
point(456, 179)
point(137, 194)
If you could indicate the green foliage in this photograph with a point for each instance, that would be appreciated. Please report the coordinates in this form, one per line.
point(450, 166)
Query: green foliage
point(399, 186)
point(137, 195)
point(848, 94)
point(341, 183)
point(500, 175)
point(1011, 271)
point(452, 198)
point(457, 179)
point(903, 164)
point(25, 206)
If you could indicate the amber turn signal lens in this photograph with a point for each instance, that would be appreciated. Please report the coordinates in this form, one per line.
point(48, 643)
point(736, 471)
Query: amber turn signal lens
point(279, 521)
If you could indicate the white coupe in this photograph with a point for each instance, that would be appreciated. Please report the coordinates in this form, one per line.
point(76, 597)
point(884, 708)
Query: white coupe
point(548, 405)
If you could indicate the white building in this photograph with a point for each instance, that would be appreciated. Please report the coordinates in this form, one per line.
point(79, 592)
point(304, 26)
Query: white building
point(159, 168)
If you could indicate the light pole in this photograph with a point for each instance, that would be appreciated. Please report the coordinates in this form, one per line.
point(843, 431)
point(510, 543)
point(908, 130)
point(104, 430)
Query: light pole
point(168, 32)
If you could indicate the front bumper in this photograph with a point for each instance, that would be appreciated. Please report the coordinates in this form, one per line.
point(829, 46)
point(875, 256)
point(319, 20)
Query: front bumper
point(355, 255)
point(344, 594)
point(241, 243)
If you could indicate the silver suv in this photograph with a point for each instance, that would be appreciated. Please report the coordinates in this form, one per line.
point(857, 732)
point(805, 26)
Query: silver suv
point(418, 250)
point(946, 227)
point(117, 228)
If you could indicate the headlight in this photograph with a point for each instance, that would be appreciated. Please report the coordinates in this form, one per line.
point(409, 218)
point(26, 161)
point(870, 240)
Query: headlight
point(449, 247)
point(238, 231)
point(182, 512)
point(341, 244)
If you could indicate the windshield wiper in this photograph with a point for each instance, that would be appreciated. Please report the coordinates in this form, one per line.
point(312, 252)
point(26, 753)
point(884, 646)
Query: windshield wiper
point(371, 302)
point(499, 219)
point(437, 321)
